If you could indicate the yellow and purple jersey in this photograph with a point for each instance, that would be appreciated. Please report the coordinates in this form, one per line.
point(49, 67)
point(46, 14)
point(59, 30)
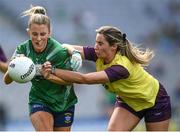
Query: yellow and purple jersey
point(130, 81)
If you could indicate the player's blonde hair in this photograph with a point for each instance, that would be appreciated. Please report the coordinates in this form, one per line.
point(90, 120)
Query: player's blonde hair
point(37, 15)
point(136, 55)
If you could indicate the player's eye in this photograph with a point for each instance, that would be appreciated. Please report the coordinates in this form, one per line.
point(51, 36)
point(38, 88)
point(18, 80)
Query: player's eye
point(34, 34)
point(43, 34)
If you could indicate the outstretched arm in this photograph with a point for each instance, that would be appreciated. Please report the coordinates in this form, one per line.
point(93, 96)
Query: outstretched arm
point(46, 72)
point(57, 80)
point(77, 77)
point(74, 77)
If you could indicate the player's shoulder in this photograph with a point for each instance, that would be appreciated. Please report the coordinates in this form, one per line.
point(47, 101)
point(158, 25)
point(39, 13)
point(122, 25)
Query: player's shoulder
point(24, 43)
point(54, 44)
point(53, 41)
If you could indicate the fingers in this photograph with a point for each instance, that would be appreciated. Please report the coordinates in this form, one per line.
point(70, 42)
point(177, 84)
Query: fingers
point(47, 65)
point(44, 69)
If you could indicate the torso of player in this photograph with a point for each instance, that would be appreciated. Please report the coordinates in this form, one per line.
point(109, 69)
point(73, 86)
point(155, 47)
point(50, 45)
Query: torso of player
point(139, 90)
point(58, 97)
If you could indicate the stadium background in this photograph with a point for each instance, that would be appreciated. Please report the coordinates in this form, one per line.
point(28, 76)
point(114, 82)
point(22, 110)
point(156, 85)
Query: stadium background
point(154, 24)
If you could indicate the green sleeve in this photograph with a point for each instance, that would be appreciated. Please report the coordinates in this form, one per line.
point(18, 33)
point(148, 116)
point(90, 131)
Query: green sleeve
point(59, 56)
point(21, 49)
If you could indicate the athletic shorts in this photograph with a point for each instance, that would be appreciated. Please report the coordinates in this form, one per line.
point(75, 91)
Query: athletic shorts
point(61, 119)
point(161, 111)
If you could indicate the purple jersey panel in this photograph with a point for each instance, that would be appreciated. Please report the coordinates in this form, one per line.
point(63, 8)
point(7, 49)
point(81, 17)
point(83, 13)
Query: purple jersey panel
point(116, 72)
point(89, 53)
point(2, 55)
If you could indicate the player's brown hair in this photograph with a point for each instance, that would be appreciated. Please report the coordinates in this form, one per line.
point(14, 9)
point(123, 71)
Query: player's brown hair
point(135, 54)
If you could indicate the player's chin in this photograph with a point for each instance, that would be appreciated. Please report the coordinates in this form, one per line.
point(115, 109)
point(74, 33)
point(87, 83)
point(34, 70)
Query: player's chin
point(98, 55)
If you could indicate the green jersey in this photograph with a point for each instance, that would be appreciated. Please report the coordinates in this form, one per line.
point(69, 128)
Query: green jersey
point(57, 97)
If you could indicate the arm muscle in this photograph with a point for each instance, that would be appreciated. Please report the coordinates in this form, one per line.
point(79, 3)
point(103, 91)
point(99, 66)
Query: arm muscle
point(77, 77)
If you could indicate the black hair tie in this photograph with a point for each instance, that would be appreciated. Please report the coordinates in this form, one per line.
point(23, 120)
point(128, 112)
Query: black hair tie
point(124, 37)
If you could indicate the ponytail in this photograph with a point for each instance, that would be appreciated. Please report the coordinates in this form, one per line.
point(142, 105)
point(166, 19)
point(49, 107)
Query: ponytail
point(37, 15)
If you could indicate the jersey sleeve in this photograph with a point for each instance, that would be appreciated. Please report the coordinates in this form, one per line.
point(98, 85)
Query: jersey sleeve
point(116, 72)
point(2, 55)
point(20, 49)
point(59, 56)
point(89, 53)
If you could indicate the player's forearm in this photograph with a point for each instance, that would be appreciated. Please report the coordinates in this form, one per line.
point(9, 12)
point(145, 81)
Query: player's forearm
point(57, 80)
point(77, 77)
point(3, 67)
point(7, 79)
point(70, 76)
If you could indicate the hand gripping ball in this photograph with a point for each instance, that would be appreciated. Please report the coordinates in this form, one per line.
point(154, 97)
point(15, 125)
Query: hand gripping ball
point(21, 69)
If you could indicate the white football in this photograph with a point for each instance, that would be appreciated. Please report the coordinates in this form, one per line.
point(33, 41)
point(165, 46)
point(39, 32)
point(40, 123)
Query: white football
point(21, 69)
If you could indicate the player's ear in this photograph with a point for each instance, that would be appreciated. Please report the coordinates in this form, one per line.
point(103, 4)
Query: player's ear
point(50, 32)
point(114, 46)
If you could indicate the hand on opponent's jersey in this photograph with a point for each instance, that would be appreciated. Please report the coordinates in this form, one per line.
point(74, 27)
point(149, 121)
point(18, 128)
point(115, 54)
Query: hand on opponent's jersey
point(76, 60)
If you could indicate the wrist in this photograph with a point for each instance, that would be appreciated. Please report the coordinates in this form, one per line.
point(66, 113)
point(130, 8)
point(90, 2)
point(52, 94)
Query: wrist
point(48, 76)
